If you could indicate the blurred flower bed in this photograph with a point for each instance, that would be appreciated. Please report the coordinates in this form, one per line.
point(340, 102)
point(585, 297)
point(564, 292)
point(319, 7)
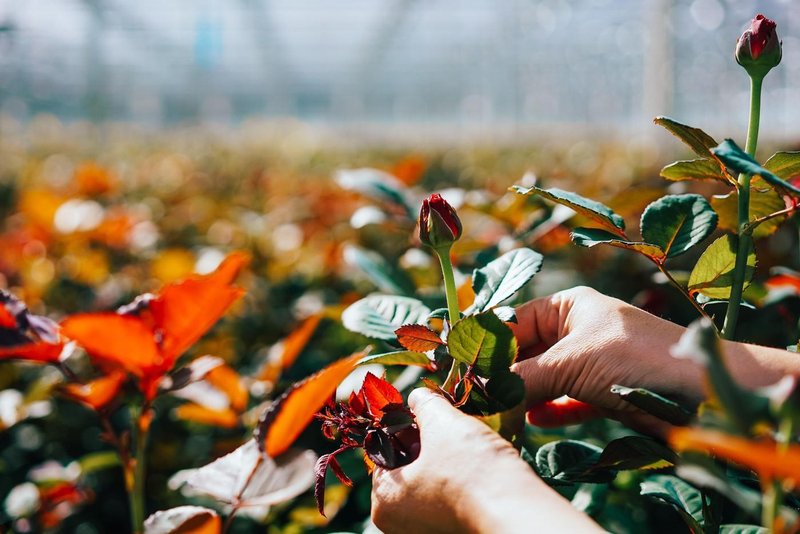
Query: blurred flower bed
point(93, 217)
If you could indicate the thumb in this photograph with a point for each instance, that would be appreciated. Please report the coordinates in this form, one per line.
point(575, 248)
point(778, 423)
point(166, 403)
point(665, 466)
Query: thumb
point(429, 406)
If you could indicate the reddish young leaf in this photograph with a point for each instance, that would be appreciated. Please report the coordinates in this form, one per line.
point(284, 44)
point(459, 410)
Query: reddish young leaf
point(320, 469)
point(7, 320)
point(290, 348)
point(224, 418)
point(561, 412)
point(379, 393)
point(98, 393)
point(227, 380)
point(418, 338)
point(288, 416)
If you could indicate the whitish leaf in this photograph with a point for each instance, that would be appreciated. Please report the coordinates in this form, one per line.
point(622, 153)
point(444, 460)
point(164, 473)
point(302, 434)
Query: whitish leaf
point(681, 496)
point(675, 223)
point(503, 277)
point(589, 237)
point(597, 212)
point(696, 169)
point(184, 520)
point(379, 316)
point(250, 478)
point(713, 273)
point(384, 274)
point(485, 341)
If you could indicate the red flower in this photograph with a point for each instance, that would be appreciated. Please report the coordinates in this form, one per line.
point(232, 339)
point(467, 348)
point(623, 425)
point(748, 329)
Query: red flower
point(759, 49)
point(439, 225)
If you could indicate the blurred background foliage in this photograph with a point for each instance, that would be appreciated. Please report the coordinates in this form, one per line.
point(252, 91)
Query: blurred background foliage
point(142, 142)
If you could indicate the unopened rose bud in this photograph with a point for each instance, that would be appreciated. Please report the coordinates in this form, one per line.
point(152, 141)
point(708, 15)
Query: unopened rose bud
point(759, 49)
point(439, 225)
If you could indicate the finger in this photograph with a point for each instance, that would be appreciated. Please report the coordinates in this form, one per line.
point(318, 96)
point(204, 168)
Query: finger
point(561, 412)
point(537, 322)
point(546, 376)
point(429, 406)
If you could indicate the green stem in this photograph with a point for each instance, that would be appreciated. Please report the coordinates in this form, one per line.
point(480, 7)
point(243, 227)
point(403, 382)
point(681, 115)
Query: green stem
point(450, 291)
point(453, 311)
point(744, 239)
point(141, 427)
point(773, 494)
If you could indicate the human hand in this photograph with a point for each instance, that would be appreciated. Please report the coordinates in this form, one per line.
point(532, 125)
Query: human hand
point(466, 479)
point(580, 342)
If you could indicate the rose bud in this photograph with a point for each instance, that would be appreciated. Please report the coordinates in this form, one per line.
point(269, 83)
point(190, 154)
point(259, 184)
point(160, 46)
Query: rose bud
point(759, 49)
point(439, 225)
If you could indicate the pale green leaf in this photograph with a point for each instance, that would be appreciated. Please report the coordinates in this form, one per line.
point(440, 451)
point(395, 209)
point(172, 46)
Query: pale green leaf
point(714, 272)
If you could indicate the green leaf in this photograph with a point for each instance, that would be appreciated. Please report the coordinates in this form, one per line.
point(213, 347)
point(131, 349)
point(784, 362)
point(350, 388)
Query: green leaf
point(742, 407)
point(654, 404)
point(743, 529)
point(764, 200)
point(376, 184)
point(635, 452)
point(485, 341)
point(384, 274)
point(400, 357)
point(687, 500)
point(379, 316)
point(589, 237)
point(699, 141)
point(696, 169)
point(503, 277)
point(599, 213)
point(97, 461)
point(590, 498)
point(569, 461)
point(740, 161)
point(713, 273)
point(784, 165)
point(675, 223)
point(704, 472)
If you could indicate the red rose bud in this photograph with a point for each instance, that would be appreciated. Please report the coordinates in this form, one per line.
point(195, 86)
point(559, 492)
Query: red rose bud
point(439, 225)
point(759, 49)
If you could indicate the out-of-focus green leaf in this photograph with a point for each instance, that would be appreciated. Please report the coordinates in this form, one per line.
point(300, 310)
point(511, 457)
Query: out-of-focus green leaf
point(740, 161)
point(597, 212)
point(742, 529)
point(764, 200)
point(589, 237)
point(485, 341)
point(384, 274)
point(713, 273)
point(635, 452)
point(97, 461)
point(696, 169)
point(687, 500)
point(400, 357)
point(569, 461)
point(590, 498)
point(379, 316)
point(675, 223)
point(654, 404)
point(695, 138)
point(377, 185)
point(503, 277)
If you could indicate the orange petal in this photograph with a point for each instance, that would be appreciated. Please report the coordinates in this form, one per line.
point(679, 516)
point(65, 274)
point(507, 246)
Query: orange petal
point(97, 393)
point(7, 320)
point(378, 394)
point(762, 456)
point(120, 339)
point(186, 310)
point(226, 418)
point(229, 382)
point(288, 417)
point(38, 352)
